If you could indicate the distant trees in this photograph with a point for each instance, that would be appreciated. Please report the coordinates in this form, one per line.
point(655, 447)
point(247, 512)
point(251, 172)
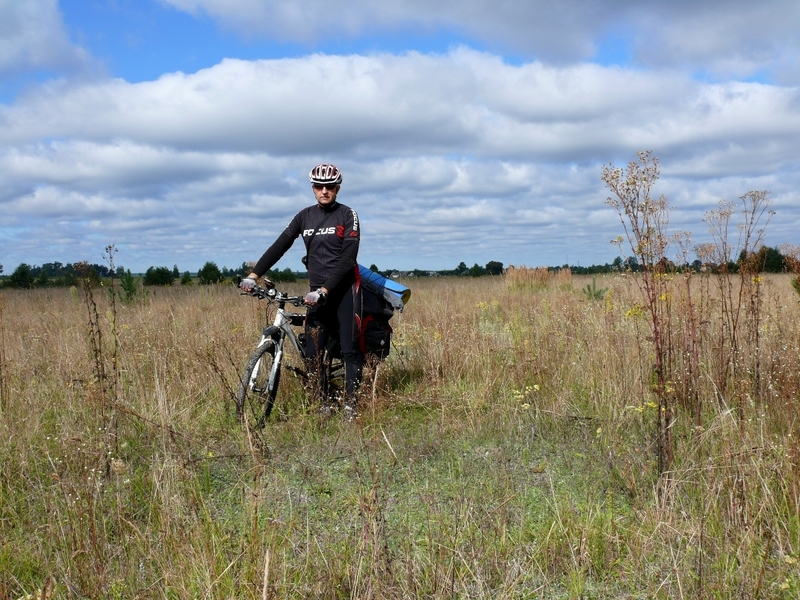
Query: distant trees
point(209, 274)
point(158, 276)
point(494, 268)
point(55, 274)
point(22, 277)
point(226, 272)
point(42, 279)
point(765, 260)
point(287, 275)
point(476, 270)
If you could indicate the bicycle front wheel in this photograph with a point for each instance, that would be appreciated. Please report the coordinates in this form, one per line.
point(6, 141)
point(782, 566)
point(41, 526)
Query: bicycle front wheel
point(331, 377)
point(259, 386)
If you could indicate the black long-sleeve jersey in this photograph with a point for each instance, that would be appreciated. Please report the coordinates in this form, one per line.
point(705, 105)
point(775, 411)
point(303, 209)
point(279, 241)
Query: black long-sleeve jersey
point(332, 251)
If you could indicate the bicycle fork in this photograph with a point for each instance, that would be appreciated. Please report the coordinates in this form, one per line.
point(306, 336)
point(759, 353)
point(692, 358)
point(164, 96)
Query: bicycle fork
point(276, 364)
point(276, 361)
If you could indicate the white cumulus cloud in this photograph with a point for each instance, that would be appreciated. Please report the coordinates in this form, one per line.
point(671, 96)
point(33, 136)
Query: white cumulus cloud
point(730, 37)
point(32, 37)
point(447, 157)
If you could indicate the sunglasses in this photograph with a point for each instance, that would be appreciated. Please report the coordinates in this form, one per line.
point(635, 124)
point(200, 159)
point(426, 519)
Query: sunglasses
point(321, 186)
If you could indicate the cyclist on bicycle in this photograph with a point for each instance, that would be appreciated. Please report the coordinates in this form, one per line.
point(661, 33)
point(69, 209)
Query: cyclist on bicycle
point(331, 235)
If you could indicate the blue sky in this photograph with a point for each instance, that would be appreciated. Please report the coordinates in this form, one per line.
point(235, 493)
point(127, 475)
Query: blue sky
point(183, 130)
point(140, 40)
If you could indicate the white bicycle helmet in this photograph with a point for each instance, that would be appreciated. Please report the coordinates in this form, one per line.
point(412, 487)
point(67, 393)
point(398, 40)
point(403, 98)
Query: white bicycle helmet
point(326, 174)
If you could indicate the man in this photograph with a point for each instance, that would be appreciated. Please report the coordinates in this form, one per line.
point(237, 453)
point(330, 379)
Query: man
point(331, 235)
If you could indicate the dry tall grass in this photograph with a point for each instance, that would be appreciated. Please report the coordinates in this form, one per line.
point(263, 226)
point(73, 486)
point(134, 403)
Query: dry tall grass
point(505, 451)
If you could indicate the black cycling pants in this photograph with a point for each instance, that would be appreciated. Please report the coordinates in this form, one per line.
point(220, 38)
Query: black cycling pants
point(340, 315)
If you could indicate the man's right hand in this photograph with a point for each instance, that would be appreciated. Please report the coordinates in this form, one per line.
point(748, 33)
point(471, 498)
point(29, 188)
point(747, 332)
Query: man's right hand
point(247, 284)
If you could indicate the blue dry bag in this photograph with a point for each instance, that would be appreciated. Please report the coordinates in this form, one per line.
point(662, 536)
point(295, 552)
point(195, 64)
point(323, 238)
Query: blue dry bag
point(393, 292)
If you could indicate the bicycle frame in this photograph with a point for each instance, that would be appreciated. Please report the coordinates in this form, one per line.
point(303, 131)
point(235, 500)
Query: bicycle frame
point(260, 381)
point(279, 331)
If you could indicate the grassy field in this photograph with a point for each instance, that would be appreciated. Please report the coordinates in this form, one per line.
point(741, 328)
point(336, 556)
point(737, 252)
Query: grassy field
point(506, 449)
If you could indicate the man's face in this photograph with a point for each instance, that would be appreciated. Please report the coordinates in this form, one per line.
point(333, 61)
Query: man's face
point(325, 193)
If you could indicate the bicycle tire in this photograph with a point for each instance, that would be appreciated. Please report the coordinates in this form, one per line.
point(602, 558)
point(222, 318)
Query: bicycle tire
point(256, 401)
point(331, 377)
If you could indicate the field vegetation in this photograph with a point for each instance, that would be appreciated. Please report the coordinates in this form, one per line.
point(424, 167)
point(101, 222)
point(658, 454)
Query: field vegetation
point(510, 447)
point(534, 434)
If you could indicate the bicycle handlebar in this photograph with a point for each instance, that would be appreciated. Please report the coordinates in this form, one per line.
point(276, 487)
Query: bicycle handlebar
point(273, 295)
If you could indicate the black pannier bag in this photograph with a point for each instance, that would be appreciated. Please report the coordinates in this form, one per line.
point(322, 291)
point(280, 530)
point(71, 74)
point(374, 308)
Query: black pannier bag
point(376, 331)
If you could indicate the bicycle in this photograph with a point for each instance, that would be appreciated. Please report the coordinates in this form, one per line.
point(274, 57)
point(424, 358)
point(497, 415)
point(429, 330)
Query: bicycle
point(258, 387)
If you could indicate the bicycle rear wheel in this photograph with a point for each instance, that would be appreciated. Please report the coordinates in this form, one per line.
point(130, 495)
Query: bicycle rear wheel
point(258, 386)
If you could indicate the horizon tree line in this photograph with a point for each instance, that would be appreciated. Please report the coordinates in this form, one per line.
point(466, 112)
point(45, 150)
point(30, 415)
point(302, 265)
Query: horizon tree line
point(57, 274)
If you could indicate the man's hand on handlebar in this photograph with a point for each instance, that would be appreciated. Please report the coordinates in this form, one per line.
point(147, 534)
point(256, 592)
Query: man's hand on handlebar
point(268, 291)
point(247, 284)
point(316, 297)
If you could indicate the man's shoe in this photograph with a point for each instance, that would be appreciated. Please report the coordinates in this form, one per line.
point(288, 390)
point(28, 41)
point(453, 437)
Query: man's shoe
point(327, 410)
point(350, 413)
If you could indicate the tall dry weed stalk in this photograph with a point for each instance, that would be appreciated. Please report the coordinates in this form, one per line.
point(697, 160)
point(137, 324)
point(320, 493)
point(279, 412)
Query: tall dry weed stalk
point(690, 369)
point(103, 395)
point(740, 290)
point(3, 368)
point(792, 256)
point(110, 253)
point(729, 320)
point(645, 220)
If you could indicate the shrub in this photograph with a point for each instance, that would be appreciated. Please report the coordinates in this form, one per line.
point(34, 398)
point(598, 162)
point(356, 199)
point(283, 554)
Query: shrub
point(158, 276)
point(21, 277)
point(209, 274)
